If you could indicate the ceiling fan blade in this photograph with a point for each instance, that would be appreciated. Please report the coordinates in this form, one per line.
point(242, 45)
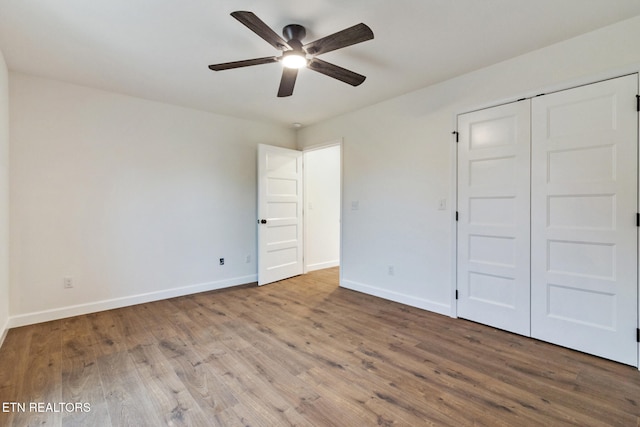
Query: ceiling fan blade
point(255, 24)
point(347, 37)
point(331, 70)
point(287, 82)
point(245, 63)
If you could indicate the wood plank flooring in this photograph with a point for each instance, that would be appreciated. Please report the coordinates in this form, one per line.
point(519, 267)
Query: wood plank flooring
point(301, 352)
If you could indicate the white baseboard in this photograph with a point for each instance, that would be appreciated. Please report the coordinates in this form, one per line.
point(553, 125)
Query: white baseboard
point(3, 332)
point(322, 265)
point(422, 303)
point(93, 307)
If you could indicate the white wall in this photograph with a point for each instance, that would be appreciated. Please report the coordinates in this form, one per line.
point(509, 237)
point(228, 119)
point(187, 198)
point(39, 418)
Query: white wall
point(135, 200)
point(397, 163)
point(4, 197)
point(322, 208)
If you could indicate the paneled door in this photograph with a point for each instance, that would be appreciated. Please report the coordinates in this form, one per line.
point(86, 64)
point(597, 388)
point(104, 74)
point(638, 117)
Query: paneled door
point(584, 290)
point(493, 217)
point(279, 213)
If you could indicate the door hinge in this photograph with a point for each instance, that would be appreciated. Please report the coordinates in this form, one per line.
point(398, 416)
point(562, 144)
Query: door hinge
point(456, 215)
point(457, 135)
point(638, 103)
point(638, 335)
point(456, 294)
point(638, 220)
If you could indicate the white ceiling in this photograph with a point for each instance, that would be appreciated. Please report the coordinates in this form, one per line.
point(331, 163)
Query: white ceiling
point(160, 49)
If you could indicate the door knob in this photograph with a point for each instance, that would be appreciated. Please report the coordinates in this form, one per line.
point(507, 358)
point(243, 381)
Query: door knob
point(262, 221)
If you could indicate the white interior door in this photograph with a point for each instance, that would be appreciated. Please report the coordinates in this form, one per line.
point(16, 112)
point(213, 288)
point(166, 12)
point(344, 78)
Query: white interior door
point(279, 213)
point(584, 202)
point(493, 225)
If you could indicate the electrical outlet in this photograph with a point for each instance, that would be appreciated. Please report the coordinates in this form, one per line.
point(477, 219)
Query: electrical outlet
point(391, 270)
point(221, 261)
point(68, 282)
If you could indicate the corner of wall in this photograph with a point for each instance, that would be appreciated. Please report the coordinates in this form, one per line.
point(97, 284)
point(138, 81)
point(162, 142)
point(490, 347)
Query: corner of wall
point(4, 198)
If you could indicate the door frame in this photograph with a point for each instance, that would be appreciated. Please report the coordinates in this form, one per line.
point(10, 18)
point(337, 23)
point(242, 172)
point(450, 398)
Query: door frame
point(305, 230)
point(556, 87)
point(314, 147)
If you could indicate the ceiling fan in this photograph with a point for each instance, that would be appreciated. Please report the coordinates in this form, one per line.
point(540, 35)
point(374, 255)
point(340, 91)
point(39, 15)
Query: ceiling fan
point(295, 55)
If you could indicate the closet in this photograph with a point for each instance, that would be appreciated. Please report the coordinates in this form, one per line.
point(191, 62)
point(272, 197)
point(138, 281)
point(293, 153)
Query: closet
point(547, 241)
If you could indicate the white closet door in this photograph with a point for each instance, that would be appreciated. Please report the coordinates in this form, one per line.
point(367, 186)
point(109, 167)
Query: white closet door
point(584, 204)
point(493, 225)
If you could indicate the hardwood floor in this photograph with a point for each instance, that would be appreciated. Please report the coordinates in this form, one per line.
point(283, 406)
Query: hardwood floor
point(300, 352)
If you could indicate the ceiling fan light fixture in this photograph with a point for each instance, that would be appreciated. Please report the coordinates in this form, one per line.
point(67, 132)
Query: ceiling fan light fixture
point(296, 55)
point(293, 59)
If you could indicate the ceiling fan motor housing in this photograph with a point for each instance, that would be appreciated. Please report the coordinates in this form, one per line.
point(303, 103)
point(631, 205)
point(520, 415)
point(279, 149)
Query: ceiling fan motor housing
point(294, 32)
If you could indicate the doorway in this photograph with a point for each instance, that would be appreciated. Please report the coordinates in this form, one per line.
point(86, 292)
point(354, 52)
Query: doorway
point(322, 188)
point(298, 210)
